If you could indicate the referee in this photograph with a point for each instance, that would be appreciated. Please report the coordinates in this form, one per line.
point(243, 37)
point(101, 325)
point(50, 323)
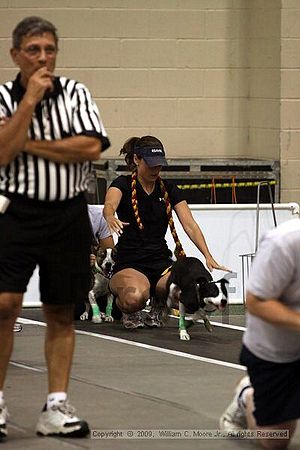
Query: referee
point(50, 133)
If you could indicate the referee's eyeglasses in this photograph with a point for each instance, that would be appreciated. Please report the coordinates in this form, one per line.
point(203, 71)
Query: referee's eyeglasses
point(35, 50)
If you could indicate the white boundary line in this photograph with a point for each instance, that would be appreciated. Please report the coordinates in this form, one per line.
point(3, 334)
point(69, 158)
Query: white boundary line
point(145, 346)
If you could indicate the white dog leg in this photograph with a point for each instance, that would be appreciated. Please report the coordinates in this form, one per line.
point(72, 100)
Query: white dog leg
point(183, 334)
point(85, 315)
point(108, 309)
point(95, 308)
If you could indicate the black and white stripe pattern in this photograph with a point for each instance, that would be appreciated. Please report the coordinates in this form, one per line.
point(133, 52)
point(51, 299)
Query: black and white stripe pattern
point(69, 111)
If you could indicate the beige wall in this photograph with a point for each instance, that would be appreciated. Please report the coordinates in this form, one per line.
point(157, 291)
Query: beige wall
point(290, 101)
point(211, 78)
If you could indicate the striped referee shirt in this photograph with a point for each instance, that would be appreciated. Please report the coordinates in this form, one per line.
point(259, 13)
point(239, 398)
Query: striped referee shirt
point(67, 111)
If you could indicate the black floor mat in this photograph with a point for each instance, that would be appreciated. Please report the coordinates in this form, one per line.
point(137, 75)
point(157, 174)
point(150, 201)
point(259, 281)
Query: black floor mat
point(222, 344)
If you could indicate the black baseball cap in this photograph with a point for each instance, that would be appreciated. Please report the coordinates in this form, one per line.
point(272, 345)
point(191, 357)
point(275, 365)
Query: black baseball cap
point(153, 155)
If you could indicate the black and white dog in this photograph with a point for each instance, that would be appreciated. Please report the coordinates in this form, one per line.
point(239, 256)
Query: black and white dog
point(101, 272)
point(192, 286)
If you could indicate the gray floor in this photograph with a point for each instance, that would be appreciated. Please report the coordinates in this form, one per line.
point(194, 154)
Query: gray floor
point(117, 385)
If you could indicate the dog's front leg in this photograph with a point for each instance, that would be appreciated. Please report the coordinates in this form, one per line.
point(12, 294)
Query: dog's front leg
point(201, 314)
point(108, 309)
point(85, 315)
point(96, 318)
point(184, 335)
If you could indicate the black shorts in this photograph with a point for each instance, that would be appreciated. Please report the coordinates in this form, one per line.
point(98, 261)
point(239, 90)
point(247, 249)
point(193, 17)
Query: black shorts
point(56, 236)
point(276, 389)
point(152, 270)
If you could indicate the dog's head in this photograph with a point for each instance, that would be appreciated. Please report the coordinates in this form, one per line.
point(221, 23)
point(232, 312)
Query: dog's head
point(106, 260)
point(196, 287)
point(213, 294)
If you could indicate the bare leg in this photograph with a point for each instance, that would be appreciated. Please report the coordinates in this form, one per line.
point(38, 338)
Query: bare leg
point(270, 444)
point(10, 307)
point(59, 345)
point(131, 288)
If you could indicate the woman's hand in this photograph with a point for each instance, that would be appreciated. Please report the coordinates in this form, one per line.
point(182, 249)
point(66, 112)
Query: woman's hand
point(212, 264)
point(92, 259)
point(115, 225)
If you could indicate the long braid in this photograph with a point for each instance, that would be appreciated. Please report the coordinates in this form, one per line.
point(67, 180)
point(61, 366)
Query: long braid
point(134, 199)
point(179, 252)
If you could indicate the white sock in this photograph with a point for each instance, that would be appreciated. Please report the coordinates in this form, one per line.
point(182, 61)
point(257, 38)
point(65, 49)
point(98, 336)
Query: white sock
point(1, 397)
point(242, 398)
point(55, 397)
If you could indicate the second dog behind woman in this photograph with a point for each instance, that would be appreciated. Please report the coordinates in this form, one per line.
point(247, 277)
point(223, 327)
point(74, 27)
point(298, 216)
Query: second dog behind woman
point(144, 203)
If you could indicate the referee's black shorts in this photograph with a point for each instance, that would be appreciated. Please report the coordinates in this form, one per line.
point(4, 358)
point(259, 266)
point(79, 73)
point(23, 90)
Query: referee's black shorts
point(276, 389)
point(56, 236)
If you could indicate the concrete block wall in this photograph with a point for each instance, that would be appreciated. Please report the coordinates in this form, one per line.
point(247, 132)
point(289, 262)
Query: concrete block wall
point(205, 76)
point(290, 101)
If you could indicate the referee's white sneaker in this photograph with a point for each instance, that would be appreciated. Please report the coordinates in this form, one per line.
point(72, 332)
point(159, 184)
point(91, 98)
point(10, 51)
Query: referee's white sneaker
point(233, 418)
point(60, 420)
point(3, 419)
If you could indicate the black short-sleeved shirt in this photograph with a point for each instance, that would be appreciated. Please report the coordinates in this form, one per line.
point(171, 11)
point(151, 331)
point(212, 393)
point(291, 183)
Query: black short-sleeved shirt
point(149, 244)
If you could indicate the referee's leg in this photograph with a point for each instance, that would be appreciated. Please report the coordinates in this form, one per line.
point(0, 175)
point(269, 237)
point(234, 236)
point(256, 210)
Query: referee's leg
point(10, 307)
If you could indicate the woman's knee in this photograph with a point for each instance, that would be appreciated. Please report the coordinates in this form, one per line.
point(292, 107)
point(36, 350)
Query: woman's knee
point(131, 300)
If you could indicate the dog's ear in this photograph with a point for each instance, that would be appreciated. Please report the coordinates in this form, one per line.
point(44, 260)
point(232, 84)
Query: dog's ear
point(207, 289)
point(223, 283)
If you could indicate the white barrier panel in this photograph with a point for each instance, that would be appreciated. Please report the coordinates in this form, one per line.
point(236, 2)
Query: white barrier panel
point(229, 230)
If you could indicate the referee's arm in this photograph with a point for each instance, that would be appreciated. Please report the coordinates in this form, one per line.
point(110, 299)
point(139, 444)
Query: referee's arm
point(70, 149)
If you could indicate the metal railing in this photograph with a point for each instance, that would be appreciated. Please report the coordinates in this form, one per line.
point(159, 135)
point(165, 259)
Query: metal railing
point(247, 258)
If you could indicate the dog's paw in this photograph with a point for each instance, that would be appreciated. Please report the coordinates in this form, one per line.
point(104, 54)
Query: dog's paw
point(102, 315)
point(207, 325)
point(184, 335)
point(109, 319)
point(96, 319)
point(84, 316)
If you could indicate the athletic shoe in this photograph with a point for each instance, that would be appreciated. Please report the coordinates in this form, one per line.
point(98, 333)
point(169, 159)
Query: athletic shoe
point(133, 320)
point(60, 420)
point(233, 418)
point(17, 327)
point(153, 318)
point(3, 419)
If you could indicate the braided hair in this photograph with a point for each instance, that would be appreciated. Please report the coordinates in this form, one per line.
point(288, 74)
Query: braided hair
point(128, 150)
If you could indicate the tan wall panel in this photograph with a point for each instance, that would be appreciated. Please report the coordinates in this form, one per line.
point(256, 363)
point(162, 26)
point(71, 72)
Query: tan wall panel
point(290, 174)
point(111, 112)
point(264, 143)
point(290, 19)
point(290, 52)
point(211, 53)
point(290, 83)
point(203, 143)
point(264, 53)
point(202, 74)
point(141, 113)
point(265, 83)
point(290, 195)
point(264, 113)
point(290, 145)
point(176, 83)
point(213, 112)
point(89, 53)
point(148, 53)
point(226, 82)
point(227, 24)
point(290, 114)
